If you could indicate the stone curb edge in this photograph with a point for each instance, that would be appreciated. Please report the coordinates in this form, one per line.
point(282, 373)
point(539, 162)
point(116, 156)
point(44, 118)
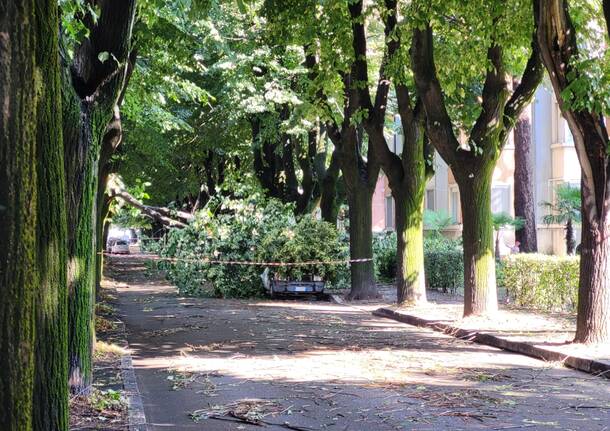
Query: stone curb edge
point(135, 407)
point(590, 366)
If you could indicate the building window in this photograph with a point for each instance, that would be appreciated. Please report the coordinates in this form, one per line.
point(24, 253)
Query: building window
point(430, 204)
point(500, 199)
point(454, 204)
point(389, 212)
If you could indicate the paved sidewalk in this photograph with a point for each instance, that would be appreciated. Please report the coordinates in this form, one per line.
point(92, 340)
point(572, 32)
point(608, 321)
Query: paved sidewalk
point(206, 364)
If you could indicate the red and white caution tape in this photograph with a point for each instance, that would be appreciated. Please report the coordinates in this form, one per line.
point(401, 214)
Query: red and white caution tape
point(244, 262)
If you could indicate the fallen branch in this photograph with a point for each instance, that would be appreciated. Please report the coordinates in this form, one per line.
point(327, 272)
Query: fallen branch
point(165, 216)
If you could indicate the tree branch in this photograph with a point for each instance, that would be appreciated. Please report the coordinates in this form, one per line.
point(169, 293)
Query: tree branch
point(495, 93)
point(165, 216)
point(523, 94)
point(439, 125)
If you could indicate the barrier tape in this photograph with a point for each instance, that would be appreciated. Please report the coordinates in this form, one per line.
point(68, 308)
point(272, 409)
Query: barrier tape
point(244, 262)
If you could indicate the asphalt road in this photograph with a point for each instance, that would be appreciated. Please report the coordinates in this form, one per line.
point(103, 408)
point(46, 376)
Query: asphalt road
point(210, 364)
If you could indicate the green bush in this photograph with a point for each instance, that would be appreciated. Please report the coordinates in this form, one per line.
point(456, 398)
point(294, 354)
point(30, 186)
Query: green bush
point(384, 256)
point(256, 230)
point(444, 263)
point(543, 282)
point(443, 260)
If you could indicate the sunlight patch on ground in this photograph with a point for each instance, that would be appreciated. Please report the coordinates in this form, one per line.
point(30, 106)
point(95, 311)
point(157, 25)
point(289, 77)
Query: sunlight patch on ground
point(364, 367)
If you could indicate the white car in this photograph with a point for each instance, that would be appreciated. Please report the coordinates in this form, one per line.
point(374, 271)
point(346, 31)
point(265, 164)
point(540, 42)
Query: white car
point(118, 247)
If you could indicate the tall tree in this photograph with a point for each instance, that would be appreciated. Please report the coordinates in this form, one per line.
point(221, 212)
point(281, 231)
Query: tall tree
point(93, 79)
point(326, 33)
point(473, 163)
point(525, 203)
point(50, 386)
point(33, 326)
point(407, 173)
point(18, 212)
point(579, 77)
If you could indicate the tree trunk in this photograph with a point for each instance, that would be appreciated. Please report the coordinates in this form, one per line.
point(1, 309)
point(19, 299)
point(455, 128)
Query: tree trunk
point(91, 90)
point(410, 278)
point(593, 320)
point(480, 296)
point(557, 39)
point(361, 244)
point(19, 283)
point(329, 202)
point(81, 171)
point(51, 376)
point(570, 241)
point(525, 204)
point(497, 247)
point(103, 204)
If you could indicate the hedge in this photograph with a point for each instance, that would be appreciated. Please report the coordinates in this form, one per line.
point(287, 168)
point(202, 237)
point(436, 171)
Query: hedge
point(543, 282)
point(443, 261)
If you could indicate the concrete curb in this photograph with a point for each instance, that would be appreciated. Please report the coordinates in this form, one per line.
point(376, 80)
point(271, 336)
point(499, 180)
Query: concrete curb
point(590, 366)
point(135, 407)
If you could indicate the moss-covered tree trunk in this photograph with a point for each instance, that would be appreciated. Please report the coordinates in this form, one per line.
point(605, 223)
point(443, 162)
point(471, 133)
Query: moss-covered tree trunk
point(19, 81)
point(81, 171)
point(472, 163)
point(91, 90)
point(480, 295)
point(51, 390)
point(103, 207)
point(410, 273)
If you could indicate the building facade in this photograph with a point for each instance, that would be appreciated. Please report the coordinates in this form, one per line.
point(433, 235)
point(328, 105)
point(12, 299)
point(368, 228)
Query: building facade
point(555, 162)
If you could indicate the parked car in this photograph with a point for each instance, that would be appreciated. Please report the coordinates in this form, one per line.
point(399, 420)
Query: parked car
point(118, 246)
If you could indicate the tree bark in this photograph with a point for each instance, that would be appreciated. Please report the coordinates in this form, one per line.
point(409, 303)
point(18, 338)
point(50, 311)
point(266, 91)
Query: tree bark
point(360, 178)
point(50, 386)
point(410, 278)
point(480, 296)
point(19, 281)
point(473, 167)
point(91, 91)
point(329, 202)
point(593, 318)
point(361, 245)
point(570, 241)
point(525, 204)
point(557, 39)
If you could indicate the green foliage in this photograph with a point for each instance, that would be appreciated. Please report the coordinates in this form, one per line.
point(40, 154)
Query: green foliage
point(444, 264)
point(124, 215)
point(502, 220)
point(384, 254)
point(436, 221)
point(543, 282)
point(566, 206)
point(248, 230)
point(308, 240)
point(463, 32)
point(588, 72)
point(443, 260)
